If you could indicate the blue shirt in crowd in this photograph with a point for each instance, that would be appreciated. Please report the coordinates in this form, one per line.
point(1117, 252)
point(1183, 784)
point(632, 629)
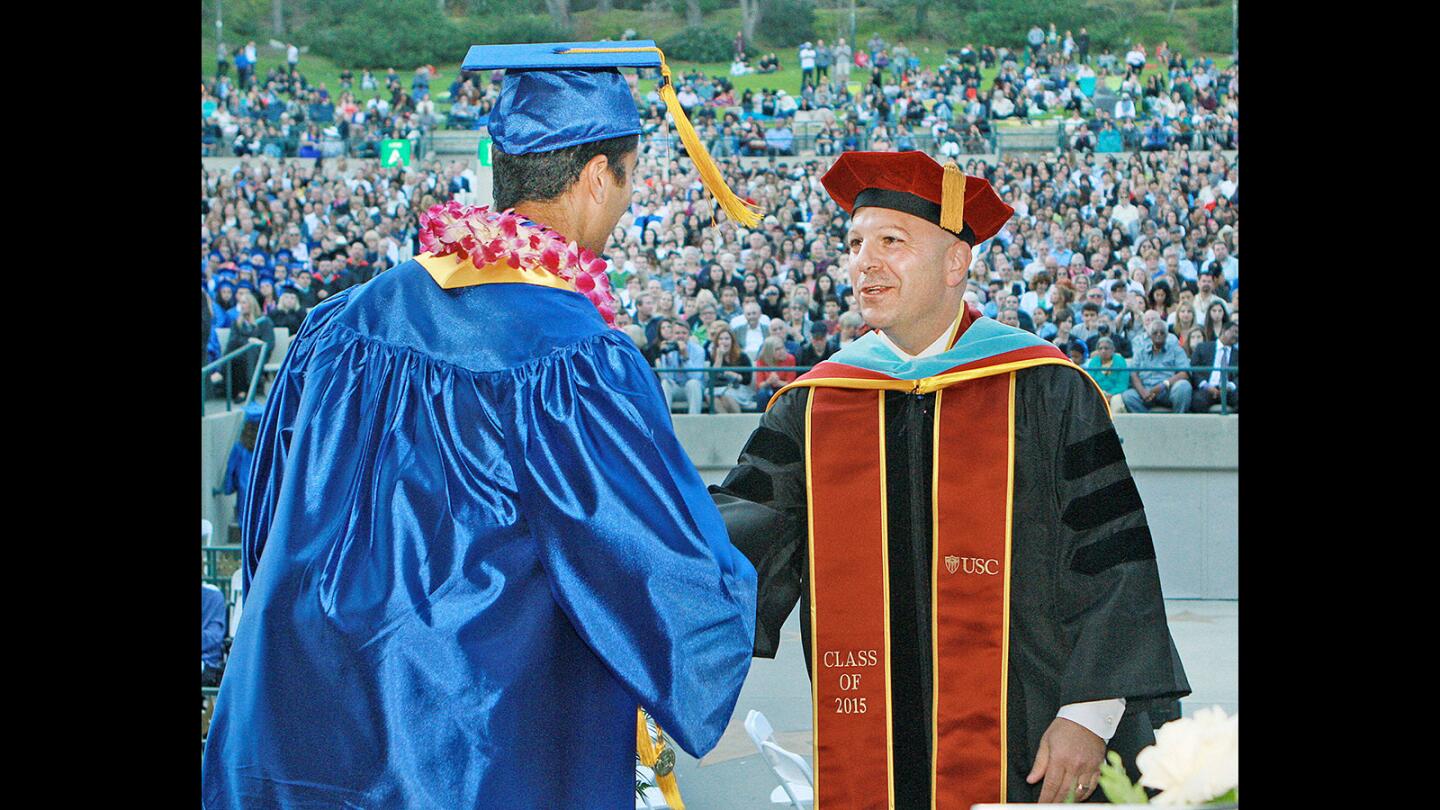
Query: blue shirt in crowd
point(1171, 357)
point(212, 624)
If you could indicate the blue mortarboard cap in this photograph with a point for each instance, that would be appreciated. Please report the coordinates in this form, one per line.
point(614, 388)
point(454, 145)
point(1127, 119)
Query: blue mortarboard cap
point(553, 100)
point(561, 94)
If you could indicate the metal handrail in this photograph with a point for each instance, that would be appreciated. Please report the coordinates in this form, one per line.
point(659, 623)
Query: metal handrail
point(212, 553)
point(225, 360)
point(1225, 374)
point(225, 147)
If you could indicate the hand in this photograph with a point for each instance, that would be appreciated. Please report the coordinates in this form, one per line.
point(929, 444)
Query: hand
point(1069, 757)
point(1148, 395)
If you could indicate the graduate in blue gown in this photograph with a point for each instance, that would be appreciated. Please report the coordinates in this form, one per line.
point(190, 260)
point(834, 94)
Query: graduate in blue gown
point(225, 311)
point(237, 466)
point(472, 543)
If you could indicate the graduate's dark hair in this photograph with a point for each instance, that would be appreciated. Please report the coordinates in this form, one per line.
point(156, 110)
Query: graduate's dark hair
point(543, 176)
point(248, 433)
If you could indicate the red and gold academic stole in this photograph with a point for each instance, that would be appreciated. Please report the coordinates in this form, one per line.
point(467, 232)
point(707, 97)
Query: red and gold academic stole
point(849, 599)
point(970, 588)
point(849, 592)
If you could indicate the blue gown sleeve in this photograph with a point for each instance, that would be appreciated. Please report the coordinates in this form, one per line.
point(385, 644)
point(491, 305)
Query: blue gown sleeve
point(256, 508)
point(635, 549)
point(237, 466)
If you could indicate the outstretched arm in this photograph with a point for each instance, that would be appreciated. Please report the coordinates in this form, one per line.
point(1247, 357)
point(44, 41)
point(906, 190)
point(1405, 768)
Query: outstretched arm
point(636, 553)
point(763, 503)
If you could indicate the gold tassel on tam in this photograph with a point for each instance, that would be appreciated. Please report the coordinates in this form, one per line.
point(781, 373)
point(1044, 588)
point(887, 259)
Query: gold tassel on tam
point(650, 758)
point(738, 209)
point(952, 198)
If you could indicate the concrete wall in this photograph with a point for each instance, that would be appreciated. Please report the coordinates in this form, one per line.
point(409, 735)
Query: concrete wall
point(1186, 466)
point(217, 435)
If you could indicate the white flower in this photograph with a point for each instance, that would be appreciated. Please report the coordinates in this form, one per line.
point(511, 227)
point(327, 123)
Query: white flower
point(1194, 759)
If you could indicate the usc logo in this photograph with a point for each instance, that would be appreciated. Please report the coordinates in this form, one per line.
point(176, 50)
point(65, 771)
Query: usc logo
point(972, 565)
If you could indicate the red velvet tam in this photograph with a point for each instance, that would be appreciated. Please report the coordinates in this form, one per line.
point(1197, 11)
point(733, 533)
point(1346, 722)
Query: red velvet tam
point(914, 183)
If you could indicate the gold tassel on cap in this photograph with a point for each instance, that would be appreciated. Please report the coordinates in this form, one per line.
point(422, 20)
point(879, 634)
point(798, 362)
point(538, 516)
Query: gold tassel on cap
point(738, 209)
point(952, 198)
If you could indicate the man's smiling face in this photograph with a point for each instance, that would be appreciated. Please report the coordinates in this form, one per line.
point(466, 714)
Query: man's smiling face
point(897, 266)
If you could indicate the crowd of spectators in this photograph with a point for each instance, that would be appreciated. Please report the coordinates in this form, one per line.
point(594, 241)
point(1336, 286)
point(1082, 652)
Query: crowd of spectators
point(1100, 248)
point(879, 97)
point(286, 235)
point(875, 97)
point(282, 114)
point(1103, 247)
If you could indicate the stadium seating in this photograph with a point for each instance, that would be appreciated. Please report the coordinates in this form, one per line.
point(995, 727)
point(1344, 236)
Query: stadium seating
point(277, 354)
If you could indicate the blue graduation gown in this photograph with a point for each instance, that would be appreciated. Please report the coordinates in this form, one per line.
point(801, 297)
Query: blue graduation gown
point(237, 472)
point(224, 317)
point(472, 545)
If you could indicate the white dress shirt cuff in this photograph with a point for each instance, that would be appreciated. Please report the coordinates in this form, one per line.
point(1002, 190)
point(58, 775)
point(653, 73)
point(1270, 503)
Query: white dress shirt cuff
point(1099, 716)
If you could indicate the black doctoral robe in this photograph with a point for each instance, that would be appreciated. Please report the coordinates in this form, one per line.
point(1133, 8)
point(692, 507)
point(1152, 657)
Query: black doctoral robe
point(1087, 617)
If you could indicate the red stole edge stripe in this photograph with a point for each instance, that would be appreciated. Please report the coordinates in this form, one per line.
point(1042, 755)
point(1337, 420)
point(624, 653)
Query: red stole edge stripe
point(849, 607)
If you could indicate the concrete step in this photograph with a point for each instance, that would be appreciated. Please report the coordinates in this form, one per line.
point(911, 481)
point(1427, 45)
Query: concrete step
point(1036, 137)
point(457, 141)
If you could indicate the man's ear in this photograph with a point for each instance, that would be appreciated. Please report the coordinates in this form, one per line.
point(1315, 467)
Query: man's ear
point(957, 264)
point(595, 177)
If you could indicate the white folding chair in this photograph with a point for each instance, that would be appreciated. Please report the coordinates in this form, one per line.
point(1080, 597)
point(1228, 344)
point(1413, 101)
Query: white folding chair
point(236, 600)
point(277, 354)
point(797, 782)
point(652, 798)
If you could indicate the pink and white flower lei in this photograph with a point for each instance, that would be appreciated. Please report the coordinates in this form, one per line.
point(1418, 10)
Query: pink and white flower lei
point(484, 237)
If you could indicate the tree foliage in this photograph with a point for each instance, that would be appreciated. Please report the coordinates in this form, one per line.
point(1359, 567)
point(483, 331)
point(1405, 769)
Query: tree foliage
point(408, 33)
point(1213, 30)
point(379, 33)
point(244, 19)
point(789, 22)
point(698, 45)
point(680, 7)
